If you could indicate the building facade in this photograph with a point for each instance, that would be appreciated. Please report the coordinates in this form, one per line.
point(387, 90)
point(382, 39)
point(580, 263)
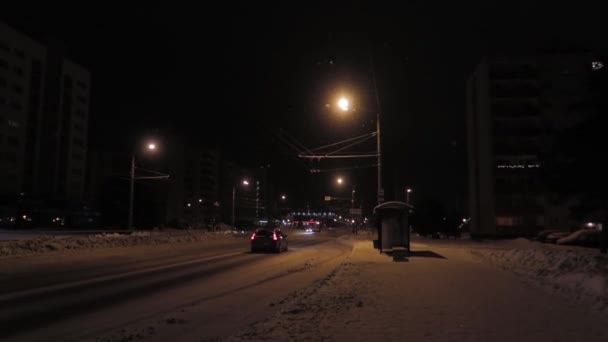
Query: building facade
point(516, 108)
point(22, 70)
point(44, 108)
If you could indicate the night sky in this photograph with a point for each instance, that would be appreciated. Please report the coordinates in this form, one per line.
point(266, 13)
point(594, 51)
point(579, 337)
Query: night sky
point(246, 76)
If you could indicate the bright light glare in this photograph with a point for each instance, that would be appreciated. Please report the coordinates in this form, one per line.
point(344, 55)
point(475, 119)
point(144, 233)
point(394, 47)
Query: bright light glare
point(245, 182)
point(343, 104)
point(152, 146)
point(409, 190)
point(597, 65)
point(340, 180)
point(283, 197)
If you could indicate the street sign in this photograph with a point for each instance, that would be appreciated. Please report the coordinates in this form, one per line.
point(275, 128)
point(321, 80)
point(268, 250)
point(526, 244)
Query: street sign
point(355, 211)
point(328, 198)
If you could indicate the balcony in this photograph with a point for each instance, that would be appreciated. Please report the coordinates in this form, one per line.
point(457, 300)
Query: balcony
point(516, 148)
point(514, 90)
point(508, 131)
point(515, 109)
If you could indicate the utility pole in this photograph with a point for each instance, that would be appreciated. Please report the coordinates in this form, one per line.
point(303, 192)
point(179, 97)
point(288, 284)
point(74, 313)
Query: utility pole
point(378, 141)
point(257, 202)
point(233, 199)
point(131, 192)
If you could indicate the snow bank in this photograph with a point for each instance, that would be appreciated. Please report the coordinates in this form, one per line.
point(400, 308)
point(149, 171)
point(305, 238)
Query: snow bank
point(579, 274)
point(45, 244)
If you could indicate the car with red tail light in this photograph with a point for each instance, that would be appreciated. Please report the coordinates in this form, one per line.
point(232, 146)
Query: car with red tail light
point(269, 239)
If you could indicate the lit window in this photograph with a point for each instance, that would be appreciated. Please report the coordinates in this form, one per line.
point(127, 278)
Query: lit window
point(597, 65)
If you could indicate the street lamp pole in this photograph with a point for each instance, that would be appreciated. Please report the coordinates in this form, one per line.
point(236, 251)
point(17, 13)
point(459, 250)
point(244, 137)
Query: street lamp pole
point(233, 200)
point(378, 125)
point(380, 190)
point(131, 192)
point(257, 202)
point(245, 182)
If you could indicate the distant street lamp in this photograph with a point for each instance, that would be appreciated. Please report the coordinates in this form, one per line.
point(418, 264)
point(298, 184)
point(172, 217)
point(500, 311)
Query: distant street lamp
point(283, 197)
point(340, 181)
point(151, 147)
point(244, 182)
point(407, 195)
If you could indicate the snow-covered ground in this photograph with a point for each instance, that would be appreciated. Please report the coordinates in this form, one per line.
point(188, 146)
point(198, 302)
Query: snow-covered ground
point(52, 243)
point(577, 273)
point(456, 290)
point(444, 293)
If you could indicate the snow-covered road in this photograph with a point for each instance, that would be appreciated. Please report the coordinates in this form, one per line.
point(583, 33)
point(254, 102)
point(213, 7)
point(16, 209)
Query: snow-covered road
point(113, 293)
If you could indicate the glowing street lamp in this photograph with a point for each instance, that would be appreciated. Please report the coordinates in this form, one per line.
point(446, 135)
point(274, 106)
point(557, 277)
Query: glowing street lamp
point(343, 104)
point(408, 191)
point(283, 197)
point(244, 182)
point(150, 147)
point(340, 180)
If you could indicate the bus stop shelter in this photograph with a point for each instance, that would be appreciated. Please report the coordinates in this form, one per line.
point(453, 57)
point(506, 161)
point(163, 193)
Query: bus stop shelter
point(392, 229)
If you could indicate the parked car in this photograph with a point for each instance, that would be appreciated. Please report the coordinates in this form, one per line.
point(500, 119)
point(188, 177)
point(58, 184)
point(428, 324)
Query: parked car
point(583, 237)
point(543, 234)
point(269, 239)
point(553, 237)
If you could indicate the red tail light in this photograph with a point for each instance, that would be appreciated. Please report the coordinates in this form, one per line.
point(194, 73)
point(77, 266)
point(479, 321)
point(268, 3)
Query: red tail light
point(274, 236)
point(253, 236)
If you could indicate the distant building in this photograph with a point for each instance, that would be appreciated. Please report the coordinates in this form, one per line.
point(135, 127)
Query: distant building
point(516, 107)
point(194, 187)
point(44, 108)
point(64, 137)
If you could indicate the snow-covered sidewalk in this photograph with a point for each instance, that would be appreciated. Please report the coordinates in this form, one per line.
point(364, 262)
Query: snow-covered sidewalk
point(443, 293)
